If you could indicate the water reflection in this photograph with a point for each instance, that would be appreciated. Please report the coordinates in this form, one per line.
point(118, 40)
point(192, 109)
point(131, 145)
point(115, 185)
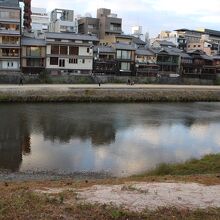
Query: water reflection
point(121, 138)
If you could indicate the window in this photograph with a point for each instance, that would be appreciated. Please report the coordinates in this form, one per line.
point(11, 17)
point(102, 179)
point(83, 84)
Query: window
point(54, 61)
point(63, 50)
point(125, 66)
point(83, 60)
point(88, 49)
point(73, 50)
point(54, 49)
point(61, 63)
point(73, 61)
point(124, 54)
point(33, 51)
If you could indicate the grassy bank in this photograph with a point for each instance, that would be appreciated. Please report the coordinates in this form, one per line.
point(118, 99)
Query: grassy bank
point(105, 94)
point(209, 164)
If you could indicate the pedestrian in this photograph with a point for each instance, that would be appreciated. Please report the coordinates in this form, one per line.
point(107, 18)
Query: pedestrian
point(129, 81)
point(99, 84)
point(21, 80)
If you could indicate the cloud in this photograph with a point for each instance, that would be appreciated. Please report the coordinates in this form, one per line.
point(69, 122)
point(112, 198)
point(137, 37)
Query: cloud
point(153, 15)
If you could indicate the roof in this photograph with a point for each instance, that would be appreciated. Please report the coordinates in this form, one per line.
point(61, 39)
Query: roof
point(104, 49)
point(217, 57)
point(124, 36)
point(9, 3)
point(138, 41)
point(28, 41)
point(123, 46)
point(166, 43)
point(71, 36)
point(144, 52)
point(206, 57)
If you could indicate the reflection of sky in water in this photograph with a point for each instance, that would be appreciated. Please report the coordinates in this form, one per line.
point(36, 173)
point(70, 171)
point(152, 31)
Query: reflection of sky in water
point(136, 149)
point(121, 138)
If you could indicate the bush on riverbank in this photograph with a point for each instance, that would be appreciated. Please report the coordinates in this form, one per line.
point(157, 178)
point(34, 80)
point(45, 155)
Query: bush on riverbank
point(209, 164)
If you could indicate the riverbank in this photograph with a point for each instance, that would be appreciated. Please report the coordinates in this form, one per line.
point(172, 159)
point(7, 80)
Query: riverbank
point(149, 196)
point(108, 93)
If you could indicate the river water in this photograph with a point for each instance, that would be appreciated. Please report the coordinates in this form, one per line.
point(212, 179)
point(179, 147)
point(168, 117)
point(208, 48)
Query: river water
point(121, 139)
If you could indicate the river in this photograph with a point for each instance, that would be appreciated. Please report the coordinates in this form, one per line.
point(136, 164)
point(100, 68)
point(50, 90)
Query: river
point(120, 139)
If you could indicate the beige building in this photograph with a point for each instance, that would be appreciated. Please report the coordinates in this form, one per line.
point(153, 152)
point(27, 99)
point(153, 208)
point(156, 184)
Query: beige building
point(69, 53)
point(103, 25)
point(211, 49)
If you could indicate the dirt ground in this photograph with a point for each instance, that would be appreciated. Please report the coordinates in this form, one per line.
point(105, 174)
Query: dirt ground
point(138, 196)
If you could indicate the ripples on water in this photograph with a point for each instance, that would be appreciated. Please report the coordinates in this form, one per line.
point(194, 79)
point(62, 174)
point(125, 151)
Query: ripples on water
point(123, 139)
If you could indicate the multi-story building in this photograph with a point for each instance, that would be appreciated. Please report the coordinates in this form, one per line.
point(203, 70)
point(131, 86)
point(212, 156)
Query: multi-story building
point(40, 19)
point(88, 25)
point(69, 53)
point(195, 36)
point(62, 20)
point(103, 25)
point(211, 49)
point(10, 34)
point(33, 56)
point(109, 24)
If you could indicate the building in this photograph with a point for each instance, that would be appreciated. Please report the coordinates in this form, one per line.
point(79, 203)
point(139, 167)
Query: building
point(10, 35)
point(103, 25)
point(40, 19)
point(69, 53)
point(163, 44)
point(145, 62)
point(195, 36)
point(62, 20)
point(210, 48)
point(105, 60)
point(33, 56)
point(109, 24)
point(88, 25)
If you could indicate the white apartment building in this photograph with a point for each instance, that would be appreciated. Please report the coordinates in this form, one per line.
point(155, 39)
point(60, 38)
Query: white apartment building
point(40, 19)
point(62, 20)
point(69, 53)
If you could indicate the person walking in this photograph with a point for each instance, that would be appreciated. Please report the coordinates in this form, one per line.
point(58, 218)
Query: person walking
point(21, 80)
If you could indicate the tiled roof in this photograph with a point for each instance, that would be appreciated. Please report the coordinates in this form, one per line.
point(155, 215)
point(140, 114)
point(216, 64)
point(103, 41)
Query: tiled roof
point(144, 52)
point(71, 36)
point(123, 46)
point(104, 49)
point(28, 41)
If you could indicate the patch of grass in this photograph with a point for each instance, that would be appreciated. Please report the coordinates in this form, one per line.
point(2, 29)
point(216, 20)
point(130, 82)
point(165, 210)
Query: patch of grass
point(209, 164)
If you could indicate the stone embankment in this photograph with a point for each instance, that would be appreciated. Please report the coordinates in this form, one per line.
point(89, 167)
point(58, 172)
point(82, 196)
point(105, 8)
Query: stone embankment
point(108, 93)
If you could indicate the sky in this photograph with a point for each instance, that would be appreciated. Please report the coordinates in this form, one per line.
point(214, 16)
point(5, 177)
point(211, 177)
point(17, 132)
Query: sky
point(152, 15)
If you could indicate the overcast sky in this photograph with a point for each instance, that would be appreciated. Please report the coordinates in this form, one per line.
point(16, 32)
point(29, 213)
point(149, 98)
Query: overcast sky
point(152, 15)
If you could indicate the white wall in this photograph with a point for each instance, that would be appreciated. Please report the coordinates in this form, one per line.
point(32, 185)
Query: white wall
point(88, 57)
point(10, 65)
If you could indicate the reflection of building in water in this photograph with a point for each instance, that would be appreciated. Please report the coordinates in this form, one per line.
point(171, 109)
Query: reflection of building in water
point(59, 128)
point(14, 139)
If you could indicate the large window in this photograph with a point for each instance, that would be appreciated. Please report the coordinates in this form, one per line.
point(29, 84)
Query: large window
point(125, 66)
point(9, 14)
point(54, 61)
point(61, 63)
point(63, 50)
point(35, 62)
point(124, 54)
point(73, 50)
point(10, 40)
point(55, 49)
point(6, 52)
point(34, 51)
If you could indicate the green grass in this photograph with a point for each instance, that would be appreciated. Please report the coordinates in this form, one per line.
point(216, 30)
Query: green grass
point(209, 164)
